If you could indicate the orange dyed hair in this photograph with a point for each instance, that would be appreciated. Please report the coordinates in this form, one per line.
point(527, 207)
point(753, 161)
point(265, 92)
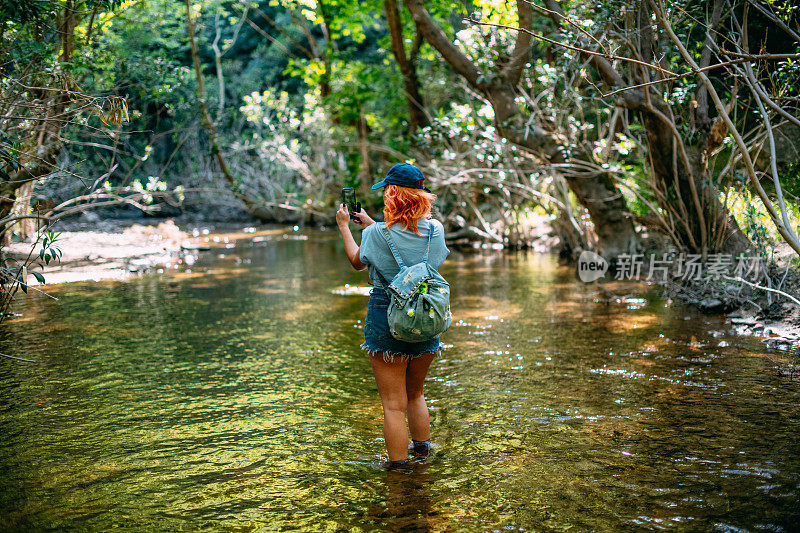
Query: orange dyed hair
point(406, 205)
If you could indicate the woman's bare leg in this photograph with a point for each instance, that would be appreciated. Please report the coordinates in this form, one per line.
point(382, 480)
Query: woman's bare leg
point(391, 381)
point(418, 419)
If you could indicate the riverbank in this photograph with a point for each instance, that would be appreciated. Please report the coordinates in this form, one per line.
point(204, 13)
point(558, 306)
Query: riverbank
point(109, 249)
point(120, 249)
point(760, 307)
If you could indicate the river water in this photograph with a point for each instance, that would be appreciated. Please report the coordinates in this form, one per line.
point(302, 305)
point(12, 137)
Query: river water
point(232, 395)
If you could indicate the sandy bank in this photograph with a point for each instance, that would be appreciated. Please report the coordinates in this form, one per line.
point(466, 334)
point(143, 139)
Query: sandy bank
point(108, 250)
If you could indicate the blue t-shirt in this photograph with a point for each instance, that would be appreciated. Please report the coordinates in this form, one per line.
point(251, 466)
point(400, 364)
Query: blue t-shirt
point(376, 254)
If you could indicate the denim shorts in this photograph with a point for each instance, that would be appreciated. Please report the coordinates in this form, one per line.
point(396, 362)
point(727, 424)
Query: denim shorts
point(377, 338)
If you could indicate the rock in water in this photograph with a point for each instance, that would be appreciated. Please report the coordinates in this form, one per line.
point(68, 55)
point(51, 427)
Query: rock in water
point(711, 305)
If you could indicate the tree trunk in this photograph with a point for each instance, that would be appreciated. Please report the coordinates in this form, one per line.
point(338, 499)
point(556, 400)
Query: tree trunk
point(327, 58)
point(703, 225)
point(255, 209)
point(416, 108)
point(363, 146)
point(22, 204)
point(218, 66)
point(67, 30)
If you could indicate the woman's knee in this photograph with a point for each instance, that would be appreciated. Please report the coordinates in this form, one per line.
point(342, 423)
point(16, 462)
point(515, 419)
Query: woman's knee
point(397, 404)
point(413, 394)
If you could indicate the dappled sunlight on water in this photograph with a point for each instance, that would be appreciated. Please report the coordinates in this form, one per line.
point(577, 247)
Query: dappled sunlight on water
point(236, 397)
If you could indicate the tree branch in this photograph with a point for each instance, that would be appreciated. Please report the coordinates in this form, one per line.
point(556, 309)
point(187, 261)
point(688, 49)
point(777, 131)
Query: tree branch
point(522, 47)
point(437, 38)
point(751, 171)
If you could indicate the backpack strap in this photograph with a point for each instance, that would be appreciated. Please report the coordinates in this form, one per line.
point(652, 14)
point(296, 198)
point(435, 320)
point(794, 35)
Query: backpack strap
point(393, 248)
point(396, 252)
point(428, 248)
point(383, 283)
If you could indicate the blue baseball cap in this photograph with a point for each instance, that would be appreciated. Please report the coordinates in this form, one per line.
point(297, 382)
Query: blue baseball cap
point(403, 175)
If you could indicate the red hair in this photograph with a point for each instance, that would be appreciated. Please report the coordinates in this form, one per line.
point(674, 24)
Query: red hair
point(406, 205)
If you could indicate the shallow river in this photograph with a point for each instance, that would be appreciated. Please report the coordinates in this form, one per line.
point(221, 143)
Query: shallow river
point(233, 396)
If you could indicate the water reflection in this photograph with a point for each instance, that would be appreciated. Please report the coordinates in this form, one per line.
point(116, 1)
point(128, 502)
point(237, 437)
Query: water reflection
point(407, 502)
point(234, 396)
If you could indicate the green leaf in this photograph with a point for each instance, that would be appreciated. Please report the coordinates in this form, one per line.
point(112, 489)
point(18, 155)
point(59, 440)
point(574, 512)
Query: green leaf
point(39, 277)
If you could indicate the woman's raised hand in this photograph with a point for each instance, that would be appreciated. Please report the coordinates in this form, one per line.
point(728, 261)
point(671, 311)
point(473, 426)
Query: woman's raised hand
point(342, 216)
point(363, 219)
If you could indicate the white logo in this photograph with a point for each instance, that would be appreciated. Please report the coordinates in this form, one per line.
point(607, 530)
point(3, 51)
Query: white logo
point(591, 266)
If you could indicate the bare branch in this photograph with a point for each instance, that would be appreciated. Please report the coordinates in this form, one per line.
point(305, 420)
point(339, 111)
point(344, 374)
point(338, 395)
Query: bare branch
point(18, 358)
point(788, 236)
point(437, 38)
point(522, 47)
point(606, 68)
point(768, 289)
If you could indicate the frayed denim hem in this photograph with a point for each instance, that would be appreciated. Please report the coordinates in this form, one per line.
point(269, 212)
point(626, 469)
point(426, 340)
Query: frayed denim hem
point(390, 357)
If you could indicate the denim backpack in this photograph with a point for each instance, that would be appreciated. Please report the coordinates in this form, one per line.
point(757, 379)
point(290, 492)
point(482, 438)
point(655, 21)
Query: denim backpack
point(419, 298)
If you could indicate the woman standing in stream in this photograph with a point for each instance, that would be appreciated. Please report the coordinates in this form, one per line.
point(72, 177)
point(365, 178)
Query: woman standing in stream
point(399, 367)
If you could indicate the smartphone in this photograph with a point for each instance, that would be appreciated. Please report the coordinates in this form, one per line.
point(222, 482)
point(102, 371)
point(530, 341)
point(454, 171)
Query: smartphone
point(349, 199)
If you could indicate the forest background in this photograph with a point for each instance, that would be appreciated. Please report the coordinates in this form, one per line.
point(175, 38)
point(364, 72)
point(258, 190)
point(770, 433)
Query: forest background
point(627, 126)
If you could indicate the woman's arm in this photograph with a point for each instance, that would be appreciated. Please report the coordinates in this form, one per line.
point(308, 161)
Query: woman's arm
point(351, 249)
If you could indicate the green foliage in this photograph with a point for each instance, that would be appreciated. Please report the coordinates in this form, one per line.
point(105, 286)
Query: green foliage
point(24, 11)
point(9, 155)
point(754, 227)
point(790, 178)
point(49, 252)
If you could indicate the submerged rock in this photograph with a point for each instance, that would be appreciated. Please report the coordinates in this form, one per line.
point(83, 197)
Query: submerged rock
point(711, 305)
